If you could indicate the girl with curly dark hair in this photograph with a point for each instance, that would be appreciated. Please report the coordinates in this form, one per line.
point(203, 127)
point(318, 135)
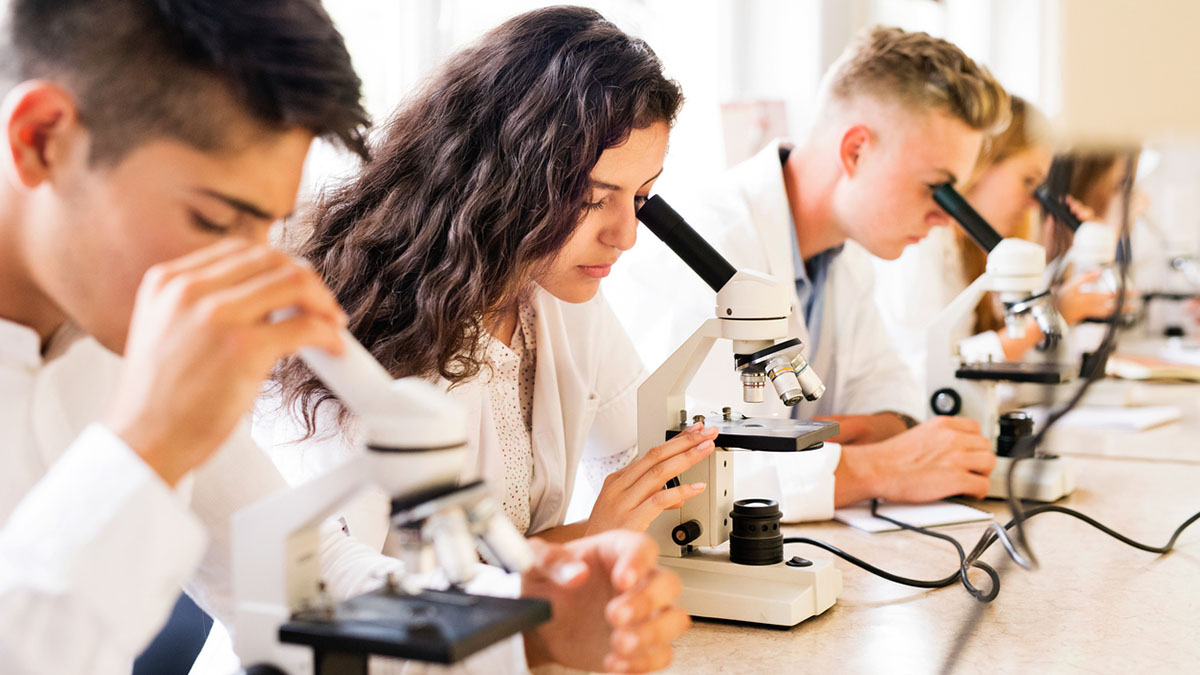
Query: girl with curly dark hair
point(470, 251)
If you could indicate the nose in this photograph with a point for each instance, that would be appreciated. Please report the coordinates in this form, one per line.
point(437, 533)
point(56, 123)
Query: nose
point(621, 233)
point(938, 218)
point(258, 233)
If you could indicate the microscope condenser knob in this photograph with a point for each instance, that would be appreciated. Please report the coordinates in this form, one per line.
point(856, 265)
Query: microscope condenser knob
point(685, 533)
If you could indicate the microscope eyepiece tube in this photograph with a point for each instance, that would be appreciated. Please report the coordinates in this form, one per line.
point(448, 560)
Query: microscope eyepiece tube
point(1056, 207)
point(674, 231)
point(968, 218)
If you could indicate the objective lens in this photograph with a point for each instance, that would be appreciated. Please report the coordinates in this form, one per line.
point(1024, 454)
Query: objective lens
point(752, 387)
point(453, 543)
point(784, 378)
point(755, 538)
point(810, 382)
point(507, 547)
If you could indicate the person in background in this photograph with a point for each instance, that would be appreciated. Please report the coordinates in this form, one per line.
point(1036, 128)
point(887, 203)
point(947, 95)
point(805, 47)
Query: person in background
point(913, 289)
point(898, 114)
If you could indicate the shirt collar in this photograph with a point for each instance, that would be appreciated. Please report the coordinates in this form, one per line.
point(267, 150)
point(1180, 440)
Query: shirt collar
point(820, 261)
point(20, 344)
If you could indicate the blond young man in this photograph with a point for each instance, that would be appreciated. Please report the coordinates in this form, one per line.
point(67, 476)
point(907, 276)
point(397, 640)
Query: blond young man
point(898, 114)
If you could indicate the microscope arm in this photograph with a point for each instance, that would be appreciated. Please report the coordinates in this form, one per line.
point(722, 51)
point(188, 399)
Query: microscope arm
point(942, 360)
point(276, 567)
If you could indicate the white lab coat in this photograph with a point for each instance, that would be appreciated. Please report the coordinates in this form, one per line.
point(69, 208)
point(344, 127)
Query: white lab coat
point(660, 302)
point(95, 547)
point(584, 420)
point(912, 291)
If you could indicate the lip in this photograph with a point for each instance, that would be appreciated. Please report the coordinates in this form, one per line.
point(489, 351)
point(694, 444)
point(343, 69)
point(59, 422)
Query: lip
point(596, 271)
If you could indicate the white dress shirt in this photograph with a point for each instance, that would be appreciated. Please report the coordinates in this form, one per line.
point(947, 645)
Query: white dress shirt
point(95, 546)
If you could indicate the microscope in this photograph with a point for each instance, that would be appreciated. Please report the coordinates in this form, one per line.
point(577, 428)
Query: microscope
point(1015, 268)
point(1093, 247)
point(727, 553)
point(415, 447)
point(1178, 280)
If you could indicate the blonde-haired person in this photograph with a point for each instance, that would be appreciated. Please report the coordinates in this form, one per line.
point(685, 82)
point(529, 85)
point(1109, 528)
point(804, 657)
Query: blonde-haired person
point(912, 290)
point(897, 115)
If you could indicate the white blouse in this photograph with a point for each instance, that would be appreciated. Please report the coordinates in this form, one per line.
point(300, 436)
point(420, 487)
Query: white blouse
point(576, 412)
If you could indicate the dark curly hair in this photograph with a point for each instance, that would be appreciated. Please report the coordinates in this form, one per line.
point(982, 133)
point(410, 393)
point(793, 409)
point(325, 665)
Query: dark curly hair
point(474, 186)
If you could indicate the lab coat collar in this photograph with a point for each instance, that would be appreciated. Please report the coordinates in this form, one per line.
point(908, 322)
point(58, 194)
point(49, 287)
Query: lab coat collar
point(760, 180)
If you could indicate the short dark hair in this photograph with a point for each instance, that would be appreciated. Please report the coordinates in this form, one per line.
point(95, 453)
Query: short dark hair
point(144, 69)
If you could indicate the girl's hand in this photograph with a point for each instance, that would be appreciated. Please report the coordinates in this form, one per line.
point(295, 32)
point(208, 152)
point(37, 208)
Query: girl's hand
point(634, 496)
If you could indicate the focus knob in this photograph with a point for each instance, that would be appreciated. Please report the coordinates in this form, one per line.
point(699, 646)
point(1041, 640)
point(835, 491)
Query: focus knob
point(686, 533)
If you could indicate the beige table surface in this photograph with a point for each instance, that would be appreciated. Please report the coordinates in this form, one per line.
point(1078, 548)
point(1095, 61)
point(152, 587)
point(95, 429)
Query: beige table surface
point(1177, 441)
point(1093, 606)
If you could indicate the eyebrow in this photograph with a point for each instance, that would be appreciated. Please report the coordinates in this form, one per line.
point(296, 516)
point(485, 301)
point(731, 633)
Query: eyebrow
point(243, 206)
point(609, 186)
point(950, 177)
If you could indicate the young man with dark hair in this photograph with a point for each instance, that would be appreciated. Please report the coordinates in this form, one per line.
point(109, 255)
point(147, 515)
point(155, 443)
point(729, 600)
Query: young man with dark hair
point(149, 146)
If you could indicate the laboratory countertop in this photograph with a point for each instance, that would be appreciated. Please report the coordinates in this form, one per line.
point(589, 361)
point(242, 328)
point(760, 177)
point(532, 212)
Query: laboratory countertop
point(1094, 605)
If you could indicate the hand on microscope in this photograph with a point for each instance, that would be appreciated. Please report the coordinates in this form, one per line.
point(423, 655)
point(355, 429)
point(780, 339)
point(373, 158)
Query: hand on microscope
point(939, 458)
point(1076, 301)
point(612, 575)
point(200, 344)
point(633, 496)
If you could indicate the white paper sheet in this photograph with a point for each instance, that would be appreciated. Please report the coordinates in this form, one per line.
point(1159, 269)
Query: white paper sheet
point(1106, 418)
point(933, 514)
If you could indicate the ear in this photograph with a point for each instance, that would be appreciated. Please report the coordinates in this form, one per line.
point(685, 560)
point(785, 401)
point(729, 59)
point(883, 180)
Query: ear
point(40, 120)
point(854, 142)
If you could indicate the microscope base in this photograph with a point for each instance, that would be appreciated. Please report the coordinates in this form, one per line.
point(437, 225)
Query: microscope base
point(778, 595)
point(1040, 479)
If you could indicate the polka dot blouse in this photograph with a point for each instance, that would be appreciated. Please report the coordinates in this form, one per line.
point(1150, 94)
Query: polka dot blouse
point(510, 388)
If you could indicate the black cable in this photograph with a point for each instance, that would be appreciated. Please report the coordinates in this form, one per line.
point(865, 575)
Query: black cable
point(964, 562)
point(1028, 447)
point(1078, 515)
point(994, 533)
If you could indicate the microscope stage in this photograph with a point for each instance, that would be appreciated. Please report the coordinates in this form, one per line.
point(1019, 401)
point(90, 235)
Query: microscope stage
point(431, 626)
point(1037, 373)
point(770, 434)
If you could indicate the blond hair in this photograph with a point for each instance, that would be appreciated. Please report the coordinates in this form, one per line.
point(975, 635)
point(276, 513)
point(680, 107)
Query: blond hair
point(1027, 128)
point(921, 73)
